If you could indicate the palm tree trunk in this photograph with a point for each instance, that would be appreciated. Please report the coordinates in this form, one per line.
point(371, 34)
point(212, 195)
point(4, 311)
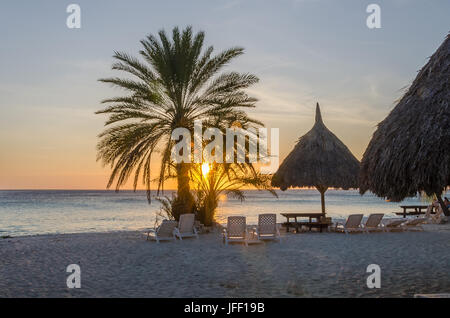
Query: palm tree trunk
point(184, 195)
point(183, 179)
point(210, 208)
point(441, 202)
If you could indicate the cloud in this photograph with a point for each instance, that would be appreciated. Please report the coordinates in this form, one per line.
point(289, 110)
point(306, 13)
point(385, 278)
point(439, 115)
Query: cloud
point(229, 4)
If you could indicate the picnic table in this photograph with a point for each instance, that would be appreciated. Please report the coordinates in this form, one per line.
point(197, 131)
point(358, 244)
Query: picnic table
point(296, 224)
point(413, 210)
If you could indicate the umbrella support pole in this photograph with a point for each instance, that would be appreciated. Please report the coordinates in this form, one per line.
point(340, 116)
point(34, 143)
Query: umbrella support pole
point(322, 191)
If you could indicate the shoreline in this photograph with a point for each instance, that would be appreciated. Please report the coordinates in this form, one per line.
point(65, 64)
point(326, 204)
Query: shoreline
point(49, 235)
point(124, 264)
point(80, 212)
point(433, 227)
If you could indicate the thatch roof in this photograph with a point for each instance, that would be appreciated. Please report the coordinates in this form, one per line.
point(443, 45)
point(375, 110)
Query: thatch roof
point(319, 160)
point(410, 150)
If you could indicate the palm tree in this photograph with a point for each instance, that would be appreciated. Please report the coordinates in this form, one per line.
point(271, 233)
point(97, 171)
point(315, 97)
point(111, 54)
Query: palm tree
point(175, 82)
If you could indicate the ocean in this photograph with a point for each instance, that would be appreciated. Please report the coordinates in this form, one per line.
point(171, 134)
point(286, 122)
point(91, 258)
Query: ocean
point(50, 211)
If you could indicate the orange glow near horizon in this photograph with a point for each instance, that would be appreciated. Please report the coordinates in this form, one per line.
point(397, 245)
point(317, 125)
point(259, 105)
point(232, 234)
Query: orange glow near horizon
point(62, 157)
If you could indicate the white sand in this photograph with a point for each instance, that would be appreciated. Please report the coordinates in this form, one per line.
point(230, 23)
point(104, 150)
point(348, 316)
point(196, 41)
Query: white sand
point(123, 264)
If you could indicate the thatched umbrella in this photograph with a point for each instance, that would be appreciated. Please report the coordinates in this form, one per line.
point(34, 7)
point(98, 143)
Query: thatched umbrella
point(410, 150)
point(318, 160)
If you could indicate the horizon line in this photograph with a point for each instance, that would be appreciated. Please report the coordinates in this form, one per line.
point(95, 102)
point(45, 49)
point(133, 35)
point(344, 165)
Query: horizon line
point(137, 190)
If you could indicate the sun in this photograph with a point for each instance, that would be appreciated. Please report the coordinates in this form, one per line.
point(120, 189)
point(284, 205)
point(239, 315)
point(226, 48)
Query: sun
point(205, 169)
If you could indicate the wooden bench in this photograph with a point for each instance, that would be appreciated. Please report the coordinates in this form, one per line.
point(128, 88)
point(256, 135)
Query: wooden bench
point(298, 224)
point(417, 210)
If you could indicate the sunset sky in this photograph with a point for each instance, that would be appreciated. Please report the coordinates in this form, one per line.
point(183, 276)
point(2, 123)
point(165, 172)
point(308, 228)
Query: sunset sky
point(303, 51)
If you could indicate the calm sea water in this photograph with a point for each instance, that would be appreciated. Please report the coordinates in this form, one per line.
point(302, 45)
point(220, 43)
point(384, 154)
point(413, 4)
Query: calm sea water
point(48, 212)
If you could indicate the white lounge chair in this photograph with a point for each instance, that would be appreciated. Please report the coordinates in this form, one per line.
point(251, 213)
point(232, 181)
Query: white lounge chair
point(236, 230)
point(164, 232)
point(394, 225)
point(414, 224)
point(267, 227)
point(373, 223)
point(353, 225)
point(186, 227)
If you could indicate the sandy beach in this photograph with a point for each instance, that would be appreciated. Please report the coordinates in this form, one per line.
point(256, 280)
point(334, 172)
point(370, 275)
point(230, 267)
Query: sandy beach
point(123, 264)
